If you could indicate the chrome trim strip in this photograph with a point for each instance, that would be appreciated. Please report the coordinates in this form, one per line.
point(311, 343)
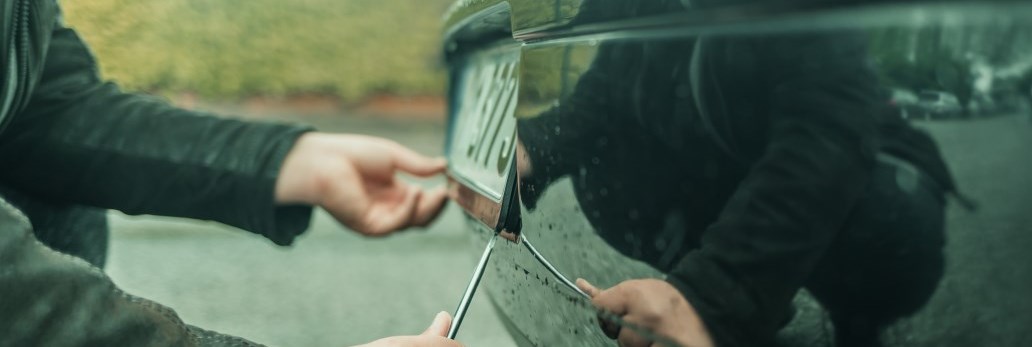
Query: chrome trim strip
point(548, 265)
point(727, 21)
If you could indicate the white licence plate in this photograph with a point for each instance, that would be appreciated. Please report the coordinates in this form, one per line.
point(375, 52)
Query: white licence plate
point(481, 143)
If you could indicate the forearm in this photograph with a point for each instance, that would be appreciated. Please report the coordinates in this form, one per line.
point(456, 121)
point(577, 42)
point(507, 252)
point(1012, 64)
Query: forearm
point(765, 244)
point(787, 211)
point(84, 141)
point(141, 156)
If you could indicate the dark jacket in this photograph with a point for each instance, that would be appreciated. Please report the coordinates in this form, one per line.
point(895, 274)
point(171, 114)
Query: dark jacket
point(759, 145)
point(69, 136)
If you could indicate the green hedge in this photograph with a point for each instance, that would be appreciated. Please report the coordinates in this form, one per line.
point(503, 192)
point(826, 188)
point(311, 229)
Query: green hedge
point(232, 49)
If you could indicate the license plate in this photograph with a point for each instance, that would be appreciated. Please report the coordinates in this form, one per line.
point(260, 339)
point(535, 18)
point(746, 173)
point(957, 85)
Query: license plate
point(481, 143)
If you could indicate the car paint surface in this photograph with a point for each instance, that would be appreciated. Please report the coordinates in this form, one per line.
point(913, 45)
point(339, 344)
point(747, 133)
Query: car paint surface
point(523, 59)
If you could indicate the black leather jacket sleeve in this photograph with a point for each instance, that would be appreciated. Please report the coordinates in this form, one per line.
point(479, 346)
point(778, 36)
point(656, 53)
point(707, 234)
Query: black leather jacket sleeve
point(82, 140)
point(54, 299)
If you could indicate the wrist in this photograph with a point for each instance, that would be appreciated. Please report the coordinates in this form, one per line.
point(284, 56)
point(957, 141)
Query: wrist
point(297, 182)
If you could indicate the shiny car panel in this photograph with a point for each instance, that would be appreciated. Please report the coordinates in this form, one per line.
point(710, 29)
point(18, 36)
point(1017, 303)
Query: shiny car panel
point(601, 189)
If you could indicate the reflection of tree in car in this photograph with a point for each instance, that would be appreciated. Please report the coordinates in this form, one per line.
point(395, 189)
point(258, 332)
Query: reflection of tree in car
point(949, 58)
point(748, 168)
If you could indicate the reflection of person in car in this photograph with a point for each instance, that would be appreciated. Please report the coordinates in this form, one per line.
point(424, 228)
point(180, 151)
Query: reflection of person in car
point(746, 168)
point(69, 138)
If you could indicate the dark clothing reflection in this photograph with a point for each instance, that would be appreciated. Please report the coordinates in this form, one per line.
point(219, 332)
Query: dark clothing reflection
point(748, 168)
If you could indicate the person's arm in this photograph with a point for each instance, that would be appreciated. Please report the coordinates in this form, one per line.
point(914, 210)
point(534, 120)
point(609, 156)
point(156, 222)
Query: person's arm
point(52, 299)
point(82, 140)
point(49, 298)
point(786, 212)
point(736, 289)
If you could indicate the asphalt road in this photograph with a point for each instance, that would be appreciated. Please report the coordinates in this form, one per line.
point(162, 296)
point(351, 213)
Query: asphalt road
point(983, 299)
point(332, 288)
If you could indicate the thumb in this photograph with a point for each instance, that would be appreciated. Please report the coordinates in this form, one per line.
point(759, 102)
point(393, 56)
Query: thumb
point(440, 325)
point(417, 164)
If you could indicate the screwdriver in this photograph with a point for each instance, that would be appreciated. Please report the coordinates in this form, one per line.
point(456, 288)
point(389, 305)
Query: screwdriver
point(478, 274)
point(471, 288)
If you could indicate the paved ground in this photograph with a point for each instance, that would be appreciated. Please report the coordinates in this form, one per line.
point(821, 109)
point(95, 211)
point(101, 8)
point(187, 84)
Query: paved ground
point(983, 299)
point(333, 288)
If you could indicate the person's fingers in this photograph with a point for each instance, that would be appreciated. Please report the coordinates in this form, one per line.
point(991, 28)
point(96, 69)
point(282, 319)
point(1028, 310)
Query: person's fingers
point(434, 341)
point(388, 218)
point(629, 338)
point(417, 164)
point(440, 325)
point(587, 287)
point(523, 164)
point(615, 300)
point(429, 206)
point(413, 341)
point(442, 342)
point(612, 330)
point(346, 204)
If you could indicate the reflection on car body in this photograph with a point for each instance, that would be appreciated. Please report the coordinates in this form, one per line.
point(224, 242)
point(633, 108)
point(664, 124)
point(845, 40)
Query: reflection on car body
point(937, 104)
point(742, 150)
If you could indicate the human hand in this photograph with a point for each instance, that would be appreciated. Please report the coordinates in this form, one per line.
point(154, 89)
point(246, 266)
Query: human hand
point(523, 164)
point(434, 336)
point(353, 178)
point(650, 304)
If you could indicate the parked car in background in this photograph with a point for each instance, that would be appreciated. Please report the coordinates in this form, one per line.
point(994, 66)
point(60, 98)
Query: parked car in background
point(569, 122)
point(932, 104)
point(905, 101)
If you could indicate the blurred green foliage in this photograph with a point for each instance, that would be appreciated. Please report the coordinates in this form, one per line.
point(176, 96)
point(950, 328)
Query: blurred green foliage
point(541, 82)
point(945, 57)
point(232, 49)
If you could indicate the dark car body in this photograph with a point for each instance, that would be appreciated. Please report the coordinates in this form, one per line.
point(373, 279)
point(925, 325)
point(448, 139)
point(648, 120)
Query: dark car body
point(606, 214)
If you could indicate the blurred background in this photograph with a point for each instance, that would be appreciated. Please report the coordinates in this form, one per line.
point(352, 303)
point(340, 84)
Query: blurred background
point(342, 52)
point(362, 66)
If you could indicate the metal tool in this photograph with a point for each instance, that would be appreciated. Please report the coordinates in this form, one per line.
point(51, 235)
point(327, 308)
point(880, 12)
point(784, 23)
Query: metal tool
point(548, 265)
point(471, 288)
point(602, 314)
